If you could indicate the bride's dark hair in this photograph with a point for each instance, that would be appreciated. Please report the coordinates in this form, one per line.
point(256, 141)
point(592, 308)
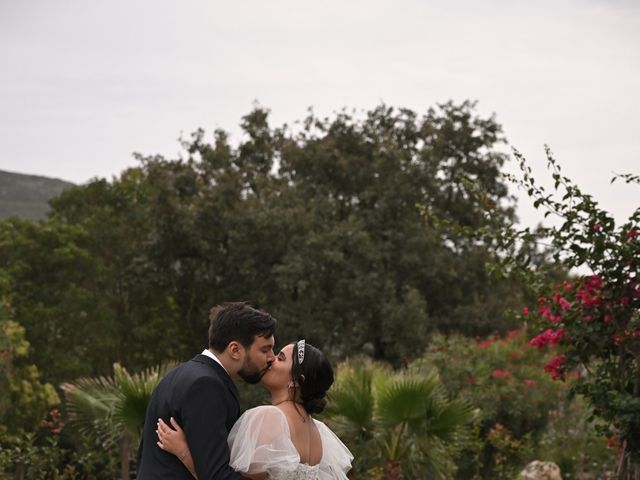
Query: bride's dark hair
point(312, 378)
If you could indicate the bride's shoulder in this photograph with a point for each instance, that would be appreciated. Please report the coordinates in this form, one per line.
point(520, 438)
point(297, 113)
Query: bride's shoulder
point(260, 425)
point(265, 408)
point(263, 412)
point(321, 425)
point(327, 435)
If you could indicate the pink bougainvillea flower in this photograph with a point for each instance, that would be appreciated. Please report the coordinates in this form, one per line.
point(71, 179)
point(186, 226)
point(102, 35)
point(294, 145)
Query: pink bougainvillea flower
point(548, 314)
point(632, 233)
point(525, 310)
point(594, 282)
point(554, 367)
point(484, 344)
point(567, 286)
point(529, 383)
point(537, 341)
point(587, 299)
point(597, 227)
point(564, 304)
point(548, 337)
point(503, 374)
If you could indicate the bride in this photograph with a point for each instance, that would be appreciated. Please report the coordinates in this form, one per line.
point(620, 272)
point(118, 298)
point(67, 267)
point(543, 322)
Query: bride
point(281, 441)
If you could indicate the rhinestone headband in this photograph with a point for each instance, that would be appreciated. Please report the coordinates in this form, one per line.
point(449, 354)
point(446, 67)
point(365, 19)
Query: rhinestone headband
point(301, 344)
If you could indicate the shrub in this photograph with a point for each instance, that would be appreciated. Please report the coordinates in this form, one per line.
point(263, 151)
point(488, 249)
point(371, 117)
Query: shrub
point(521, 408)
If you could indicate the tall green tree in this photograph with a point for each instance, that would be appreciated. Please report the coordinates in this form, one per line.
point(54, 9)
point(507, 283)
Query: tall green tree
point(25, 399)
point(366, 259)
point(319, 224)
point(50, 274)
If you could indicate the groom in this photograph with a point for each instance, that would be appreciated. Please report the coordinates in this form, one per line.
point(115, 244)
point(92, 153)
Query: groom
point(201, 396)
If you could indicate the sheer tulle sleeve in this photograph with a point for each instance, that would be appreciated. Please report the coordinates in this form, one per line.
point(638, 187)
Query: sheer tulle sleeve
point(336, 457)
point(260, 442)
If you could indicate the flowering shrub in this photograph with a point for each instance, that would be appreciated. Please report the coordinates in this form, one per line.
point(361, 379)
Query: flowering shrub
point(521, 409)
point(594, 319)
point(501, 375)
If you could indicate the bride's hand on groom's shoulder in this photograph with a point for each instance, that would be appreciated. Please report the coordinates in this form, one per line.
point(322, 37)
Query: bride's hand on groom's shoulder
point(172, 440)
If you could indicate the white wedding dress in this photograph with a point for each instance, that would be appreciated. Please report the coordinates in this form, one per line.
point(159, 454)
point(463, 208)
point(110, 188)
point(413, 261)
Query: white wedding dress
point(260, 441)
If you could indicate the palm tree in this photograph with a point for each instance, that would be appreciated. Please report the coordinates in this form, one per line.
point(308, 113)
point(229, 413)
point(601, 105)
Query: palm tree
point(401, 421)
point(113, 408)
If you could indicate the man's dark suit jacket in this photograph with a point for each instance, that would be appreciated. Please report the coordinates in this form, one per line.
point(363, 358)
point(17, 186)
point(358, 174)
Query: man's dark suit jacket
point(202, 398)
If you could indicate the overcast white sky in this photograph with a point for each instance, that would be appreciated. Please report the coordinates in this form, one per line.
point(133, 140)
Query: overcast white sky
point(84, 84)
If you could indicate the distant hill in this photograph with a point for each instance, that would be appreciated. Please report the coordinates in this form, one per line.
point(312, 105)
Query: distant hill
point(26, 196)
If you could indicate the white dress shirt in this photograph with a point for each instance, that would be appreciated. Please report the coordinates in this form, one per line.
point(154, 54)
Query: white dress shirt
point(208, 353)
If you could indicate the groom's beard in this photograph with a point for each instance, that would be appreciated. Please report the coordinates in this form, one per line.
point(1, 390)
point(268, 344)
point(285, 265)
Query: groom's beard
point(251, 375)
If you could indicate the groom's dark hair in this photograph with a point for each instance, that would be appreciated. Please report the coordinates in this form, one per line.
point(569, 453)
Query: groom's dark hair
point(240, 322)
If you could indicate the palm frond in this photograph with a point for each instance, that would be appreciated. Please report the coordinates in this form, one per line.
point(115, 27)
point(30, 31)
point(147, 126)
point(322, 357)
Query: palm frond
point(404, 399)
point(398, 416)
point(111, 406)
point(136, 390)
point(381, 374)
point(352, 401)
point(91, 404)
point(444, 419)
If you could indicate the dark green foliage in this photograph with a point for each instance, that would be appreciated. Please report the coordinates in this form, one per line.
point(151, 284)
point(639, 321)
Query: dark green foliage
point(331, 227)
point(25, 398)
point(319, 226)
point(47, 455)
point(397, 421)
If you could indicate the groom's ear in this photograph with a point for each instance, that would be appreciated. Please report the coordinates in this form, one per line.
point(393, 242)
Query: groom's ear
point(235, 350)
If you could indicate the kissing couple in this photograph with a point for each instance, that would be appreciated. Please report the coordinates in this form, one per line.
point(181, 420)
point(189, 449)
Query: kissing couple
point(193, 427)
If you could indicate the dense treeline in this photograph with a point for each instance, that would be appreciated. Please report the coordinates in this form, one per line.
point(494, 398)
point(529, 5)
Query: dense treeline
point(319, 224)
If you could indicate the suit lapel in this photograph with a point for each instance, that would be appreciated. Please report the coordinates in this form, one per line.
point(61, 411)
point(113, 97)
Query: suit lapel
point(220, 372)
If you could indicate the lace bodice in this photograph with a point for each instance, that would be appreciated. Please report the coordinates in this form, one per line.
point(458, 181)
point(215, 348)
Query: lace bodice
point(301, 472)
point(260, 441)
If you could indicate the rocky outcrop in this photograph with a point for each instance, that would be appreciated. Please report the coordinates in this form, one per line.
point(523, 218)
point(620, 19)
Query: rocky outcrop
point(538, 470)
